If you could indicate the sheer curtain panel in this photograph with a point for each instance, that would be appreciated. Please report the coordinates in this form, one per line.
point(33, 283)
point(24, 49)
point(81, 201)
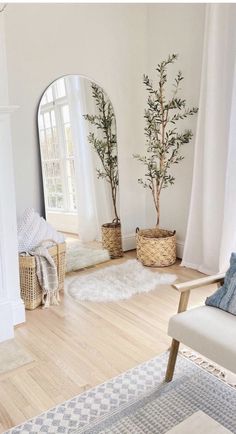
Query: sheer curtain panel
point(211, 231)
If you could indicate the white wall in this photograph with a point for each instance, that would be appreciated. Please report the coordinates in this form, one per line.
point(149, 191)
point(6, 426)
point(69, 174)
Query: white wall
point(177, 28)
point(103, 42)
point(114, 44)
point(12, 309)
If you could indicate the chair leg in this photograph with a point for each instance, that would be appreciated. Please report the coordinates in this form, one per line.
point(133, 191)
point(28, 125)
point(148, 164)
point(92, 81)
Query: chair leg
point(172, 360)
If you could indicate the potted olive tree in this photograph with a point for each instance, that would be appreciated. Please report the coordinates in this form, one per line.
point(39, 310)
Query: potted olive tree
point(104, 142)
point(157, 247)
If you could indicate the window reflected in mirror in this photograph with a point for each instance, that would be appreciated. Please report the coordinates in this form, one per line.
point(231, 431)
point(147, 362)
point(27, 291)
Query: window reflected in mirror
point(57, 149)
point(76, 201)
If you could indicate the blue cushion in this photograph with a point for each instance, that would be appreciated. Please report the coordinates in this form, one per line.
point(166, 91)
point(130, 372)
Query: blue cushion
point(225, 297)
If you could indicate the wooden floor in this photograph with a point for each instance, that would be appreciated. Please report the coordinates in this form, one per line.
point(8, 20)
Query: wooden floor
point(78, 345)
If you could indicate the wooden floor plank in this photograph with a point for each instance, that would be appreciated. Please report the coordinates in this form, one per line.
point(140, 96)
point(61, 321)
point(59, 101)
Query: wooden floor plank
point(76, 346)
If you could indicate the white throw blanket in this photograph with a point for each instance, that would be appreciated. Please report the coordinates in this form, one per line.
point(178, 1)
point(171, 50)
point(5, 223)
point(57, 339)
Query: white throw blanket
point(33, 229)
point(46, 271)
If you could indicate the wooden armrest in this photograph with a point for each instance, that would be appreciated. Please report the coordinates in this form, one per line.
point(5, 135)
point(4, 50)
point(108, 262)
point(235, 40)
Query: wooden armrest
point(197, 283)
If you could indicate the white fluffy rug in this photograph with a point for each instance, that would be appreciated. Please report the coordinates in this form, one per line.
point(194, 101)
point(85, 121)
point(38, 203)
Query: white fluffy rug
point(116, 282)
point(80, 256)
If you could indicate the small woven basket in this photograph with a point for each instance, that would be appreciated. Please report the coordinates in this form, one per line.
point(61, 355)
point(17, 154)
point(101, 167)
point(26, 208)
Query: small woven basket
point(31, 291)
point(111, 239)
point(156, 247)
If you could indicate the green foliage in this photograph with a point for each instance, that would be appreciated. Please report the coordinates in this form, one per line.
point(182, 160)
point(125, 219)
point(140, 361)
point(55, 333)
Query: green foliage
point(105, 142)
point(163, 139)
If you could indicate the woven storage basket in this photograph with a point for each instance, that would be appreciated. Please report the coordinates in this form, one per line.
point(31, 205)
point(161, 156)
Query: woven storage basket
point(111, 239)
point(31, 291)
point(156, 247)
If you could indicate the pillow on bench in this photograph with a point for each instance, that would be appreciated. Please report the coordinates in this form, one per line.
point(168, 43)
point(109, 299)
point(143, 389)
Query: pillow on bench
point(225, 297)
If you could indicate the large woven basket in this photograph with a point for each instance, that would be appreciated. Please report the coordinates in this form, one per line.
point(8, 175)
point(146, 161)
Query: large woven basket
point(156, 247)
point(31, 291)
point(111, 239)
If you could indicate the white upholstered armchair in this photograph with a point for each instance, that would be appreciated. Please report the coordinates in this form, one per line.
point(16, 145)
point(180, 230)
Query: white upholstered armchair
point(207, 330)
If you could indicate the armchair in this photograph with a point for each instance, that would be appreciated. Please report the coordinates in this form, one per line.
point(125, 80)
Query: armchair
point(207, 330)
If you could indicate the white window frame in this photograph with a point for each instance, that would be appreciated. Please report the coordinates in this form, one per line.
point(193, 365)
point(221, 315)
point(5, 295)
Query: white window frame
point(57, 105)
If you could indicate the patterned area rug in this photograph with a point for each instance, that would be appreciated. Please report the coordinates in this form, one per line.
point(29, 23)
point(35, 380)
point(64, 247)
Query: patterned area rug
point(116, 282)
point(138, 402)
point(209, 366)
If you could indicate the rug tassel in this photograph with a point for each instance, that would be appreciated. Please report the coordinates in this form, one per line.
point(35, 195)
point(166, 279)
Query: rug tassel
point(209, 366)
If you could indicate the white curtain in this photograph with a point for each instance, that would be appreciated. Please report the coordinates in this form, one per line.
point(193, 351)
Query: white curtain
point(211, 231)
point(93, 196)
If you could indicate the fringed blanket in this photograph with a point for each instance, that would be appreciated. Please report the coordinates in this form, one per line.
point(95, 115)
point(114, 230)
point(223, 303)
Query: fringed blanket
point(46, 271)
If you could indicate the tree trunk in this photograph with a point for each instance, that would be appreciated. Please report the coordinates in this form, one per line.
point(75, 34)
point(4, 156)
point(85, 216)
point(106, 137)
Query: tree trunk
point(158, 209)
point(113, 194)
point(116, 213)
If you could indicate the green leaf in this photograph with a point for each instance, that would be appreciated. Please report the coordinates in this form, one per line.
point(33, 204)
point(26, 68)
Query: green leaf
point(163, 141)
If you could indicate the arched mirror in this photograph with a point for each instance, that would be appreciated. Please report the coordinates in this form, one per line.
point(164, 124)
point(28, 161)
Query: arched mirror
point(78, 146)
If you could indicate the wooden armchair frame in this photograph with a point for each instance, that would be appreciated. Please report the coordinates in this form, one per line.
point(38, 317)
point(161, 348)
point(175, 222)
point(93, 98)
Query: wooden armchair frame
point(184, 290)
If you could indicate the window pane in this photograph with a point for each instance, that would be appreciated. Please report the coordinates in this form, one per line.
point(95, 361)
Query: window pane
point(49, 135)
point(47, 121)
point(53, 119)
point(60, 88)
point(52, 201)
point(40, 120)
point(58, 185)
point(59, 202)
point(42, 137)
point(48, 94)
point(43, 100)
point(74, 202)
point(56, 169)
point(43, 146)
point(57, 150)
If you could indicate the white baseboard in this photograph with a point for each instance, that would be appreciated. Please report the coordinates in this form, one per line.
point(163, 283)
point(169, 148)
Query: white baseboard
point(6, 321)
point(179, 249)
point(129, 243)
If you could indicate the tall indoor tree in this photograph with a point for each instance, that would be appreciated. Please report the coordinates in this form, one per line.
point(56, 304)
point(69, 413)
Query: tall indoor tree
point(105, 142)
point(164, 139)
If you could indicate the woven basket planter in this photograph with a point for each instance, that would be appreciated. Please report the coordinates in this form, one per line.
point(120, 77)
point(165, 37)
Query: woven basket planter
point(31, 292)
point(111, 239)
point(156, 247)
